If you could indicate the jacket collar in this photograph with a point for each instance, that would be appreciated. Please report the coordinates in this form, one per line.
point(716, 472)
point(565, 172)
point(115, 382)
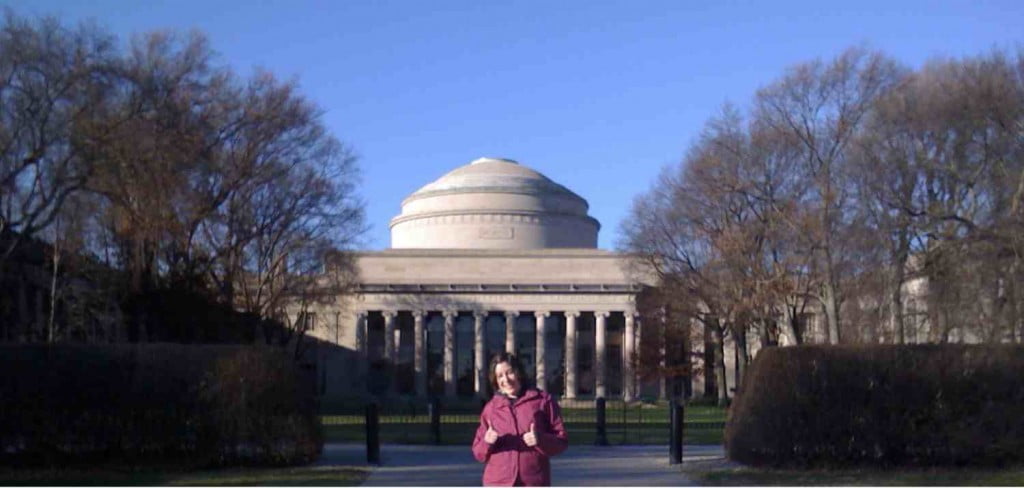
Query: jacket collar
point(501, 400)
point(529, 394)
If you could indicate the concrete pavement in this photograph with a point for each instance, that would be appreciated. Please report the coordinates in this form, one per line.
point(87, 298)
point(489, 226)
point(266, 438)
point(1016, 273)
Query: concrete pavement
point(418, 465)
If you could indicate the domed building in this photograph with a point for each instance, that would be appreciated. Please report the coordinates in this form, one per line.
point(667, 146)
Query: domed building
point(493, 256)
point(494, 204)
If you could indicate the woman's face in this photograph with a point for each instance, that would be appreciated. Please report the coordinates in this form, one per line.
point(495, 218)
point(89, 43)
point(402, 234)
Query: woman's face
point(508, 381)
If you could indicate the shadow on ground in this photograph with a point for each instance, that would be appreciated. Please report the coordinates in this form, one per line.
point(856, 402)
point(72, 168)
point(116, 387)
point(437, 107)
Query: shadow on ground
point(418, 465)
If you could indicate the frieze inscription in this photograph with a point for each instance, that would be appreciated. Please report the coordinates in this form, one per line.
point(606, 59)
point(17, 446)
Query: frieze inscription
point(497, 233)
point(495, 298)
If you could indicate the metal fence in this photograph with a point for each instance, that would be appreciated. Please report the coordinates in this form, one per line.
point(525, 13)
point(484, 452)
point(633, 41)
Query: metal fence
point(407, 421)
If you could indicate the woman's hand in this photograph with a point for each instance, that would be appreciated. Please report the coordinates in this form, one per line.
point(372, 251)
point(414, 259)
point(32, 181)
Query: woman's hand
point(492, 435)
point(530, 438)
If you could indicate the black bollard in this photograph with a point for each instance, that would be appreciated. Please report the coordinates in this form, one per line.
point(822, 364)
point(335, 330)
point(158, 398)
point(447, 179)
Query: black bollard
point(602, 433)
point(434, 411)
point(372, 434)
point(675, 445)
point(682, 428)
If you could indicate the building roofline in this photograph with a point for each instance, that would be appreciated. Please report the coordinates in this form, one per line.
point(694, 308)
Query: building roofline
point(566, 252)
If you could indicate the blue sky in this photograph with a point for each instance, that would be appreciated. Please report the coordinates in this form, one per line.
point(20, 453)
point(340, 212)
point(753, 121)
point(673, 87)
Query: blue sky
point(597, 95)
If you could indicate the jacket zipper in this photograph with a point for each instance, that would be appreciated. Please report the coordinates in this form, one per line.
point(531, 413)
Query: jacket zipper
point(515, 425)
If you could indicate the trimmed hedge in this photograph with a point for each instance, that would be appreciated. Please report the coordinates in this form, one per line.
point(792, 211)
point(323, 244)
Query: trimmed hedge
point(168, 404)
point(920, 405)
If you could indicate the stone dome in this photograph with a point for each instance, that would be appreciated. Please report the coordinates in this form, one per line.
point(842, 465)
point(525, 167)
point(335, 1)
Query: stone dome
point(493, 203)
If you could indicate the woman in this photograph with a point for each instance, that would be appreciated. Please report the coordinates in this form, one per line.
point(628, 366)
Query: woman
point(520, 428)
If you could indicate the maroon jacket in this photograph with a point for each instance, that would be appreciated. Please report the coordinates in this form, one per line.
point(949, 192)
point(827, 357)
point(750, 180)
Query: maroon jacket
point(510, 456)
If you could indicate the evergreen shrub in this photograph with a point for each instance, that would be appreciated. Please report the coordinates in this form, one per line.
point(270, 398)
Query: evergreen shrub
point(917, 405)
point(168, 404)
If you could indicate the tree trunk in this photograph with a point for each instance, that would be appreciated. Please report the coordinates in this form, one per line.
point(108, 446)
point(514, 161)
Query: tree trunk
point(766, 339)
point(770, 330)
point(143, 318)
point(1013, 292)
point(687, 359)
point(943, 325)
point(51, 325)
point(830, 307)
point(740, 339)
point(38, 330)
point(719, 354)
point(22, 308)
point(791, 323)
point(896, 314)
point(899, 276)
point(710, 383)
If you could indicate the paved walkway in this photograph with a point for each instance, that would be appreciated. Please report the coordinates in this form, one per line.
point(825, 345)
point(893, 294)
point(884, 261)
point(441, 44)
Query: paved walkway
point(404, 465)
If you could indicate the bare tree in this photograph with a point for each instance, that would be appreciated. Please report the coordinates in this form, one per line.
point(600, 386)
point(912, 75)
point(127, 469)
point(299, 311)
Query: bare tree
point(820, 108)
point(697, 231)
point(52, 84)
point(298, 218)
point(153, 165)
point(858, 188)
point(938, 169)
point(227, 189)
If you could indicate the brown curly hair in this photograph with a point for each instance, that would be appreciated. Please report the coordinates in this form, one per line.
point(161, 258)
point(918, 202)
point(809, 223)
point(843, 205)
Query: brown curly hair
point(517, 367)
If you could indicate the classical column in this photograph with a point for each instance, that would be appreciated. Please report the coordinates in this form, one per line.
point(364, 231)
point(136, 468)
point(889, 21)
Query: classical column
point(389, 336)
point(420, 359)
point(540, 319)
point(599, 353)
point(337, 328)
point(22, 308)
point(391, 349)
point(637, 352)
point(361, 333)
point(362, 358)
point(570, 353)
point(40, 318)
point(449, 353)
point(510, 332)
point(480, 383)
point(627, 361)
point(398, 342)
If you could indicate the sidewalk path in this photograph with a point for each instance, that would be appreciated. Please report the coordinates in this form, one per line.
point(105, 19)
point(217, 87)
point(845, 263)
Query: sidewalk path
point(407, 465)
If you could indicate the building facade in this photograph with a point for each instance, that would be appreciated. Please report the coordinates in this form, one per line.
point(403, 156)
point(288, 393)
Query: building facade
point(492, 256)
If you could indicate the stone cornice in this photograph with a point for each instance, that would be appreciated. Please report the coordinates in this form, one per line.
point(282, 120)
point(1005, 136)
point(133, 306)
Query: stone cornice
point(511, 304)
point(556, 253)
point(553, 191)
point(490, 217)
point(527, 289)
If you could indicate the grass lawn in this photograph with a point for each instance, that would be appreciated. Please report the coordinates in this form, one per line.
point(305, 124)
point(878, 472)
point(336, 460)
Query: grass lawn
point(297, 476)
point(716, 474)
